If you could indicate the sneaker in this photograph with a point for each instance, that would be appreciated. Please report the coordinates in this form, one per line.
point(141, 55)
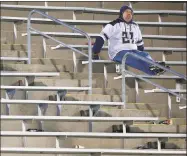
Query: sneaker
point(157, 70)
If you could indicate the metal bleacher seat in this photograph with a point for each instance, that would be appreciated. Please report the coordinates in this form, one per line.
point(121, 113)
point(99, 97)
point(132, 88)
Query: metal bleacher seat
point(89, 151)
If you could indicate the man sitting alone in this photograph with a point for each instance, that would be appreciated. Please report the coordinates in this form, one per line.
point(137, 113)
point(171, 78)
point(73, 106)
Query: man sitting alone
point(124, 36)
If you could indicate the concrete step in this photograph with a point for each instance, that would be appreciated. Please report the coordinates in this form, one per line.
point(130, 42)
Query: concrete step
point(108, 5)
point(179, 121)
point(30, 142)
point(116, 143)
point(11, 125)
point(143, 98)
point(100, 80)
point(168, 83)
point(68, 65)
point(173, 121)
point(49, 142)
point(163, 110)
point(25, 13)
point(55, 55)
point(156, 98)
point(64, 82)
point(72, 110)
point(97, 83)
point(8, 37)
point(152, 98)
point(179, 115)
point(13, 81)
point(37, 49)
point(8, 26)
point(157, 6)
point(50, 126)
point(111, 83)
point(110, 67)
point(158, 128)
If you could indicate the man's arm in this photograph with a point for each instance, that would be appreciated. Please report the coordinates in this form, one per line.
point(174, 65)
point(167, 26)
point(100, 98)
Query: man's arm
point(97, 47)
point(105, 34)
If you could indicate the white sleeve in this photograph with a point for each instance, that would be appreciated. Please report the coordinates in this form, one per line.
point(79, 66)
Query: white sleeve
point(107, 32)
point(140, 40)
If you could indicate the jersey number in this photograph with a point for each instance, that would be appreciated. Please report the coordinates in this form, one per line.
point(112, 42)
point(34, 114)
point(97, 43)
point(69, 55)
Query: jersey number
point(127, 37)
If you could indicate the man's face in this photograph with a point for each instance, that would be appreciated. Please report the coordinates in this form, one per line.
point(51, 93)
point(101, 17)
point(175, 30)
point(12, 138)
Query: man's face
point(127, 15)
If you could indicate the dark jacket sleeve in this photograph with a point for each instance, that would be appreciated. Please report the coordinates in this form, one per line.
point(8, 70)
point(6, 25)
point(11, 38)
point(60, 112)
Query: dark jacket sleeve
point(98, 45)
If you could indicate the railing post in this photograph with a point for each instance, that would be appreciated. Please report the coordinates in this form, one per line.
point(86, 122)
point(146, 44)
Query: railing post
point(90, 79)
point(90, 64)
point(123, 81)
point(29, 40)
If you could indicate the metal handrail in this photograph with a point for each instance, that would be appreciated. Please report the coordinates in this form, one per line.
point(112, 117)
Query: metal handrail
point(124, 71)
point(29, 28)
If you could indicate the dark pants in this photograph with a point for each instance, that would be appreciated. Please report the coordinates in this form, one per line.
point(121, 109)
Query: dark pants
point(135, 62)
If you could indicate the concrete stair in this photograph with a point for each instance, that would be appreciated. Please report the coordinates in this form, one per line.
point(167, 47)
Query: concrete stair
point(49, 142)
point(37, 48)
point(50, 126)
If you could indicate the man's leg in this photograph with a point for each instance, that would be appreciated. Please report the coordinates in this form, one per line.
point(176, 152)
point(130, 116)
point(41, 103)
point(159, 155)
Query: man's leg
point(134, 62)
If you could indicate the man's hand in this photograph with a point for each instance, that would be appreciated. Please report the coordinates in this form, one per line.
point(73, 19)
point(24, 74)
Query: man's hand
point(95, 57)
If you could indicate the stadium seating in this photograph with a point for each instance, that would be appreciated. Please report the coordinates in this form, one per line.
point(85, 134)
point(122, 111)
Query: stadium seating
point(41, 102)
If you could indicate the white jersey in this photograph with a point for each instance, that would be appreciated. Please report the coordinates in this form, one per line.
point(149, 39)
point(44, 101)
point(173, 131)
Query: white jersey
point(121, 36)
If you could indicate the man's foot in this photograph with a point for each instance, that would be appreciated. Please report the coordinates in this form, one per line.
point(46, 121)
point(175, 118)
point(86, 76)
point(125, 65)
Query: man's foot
point(95, 57)
point(157, 70)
